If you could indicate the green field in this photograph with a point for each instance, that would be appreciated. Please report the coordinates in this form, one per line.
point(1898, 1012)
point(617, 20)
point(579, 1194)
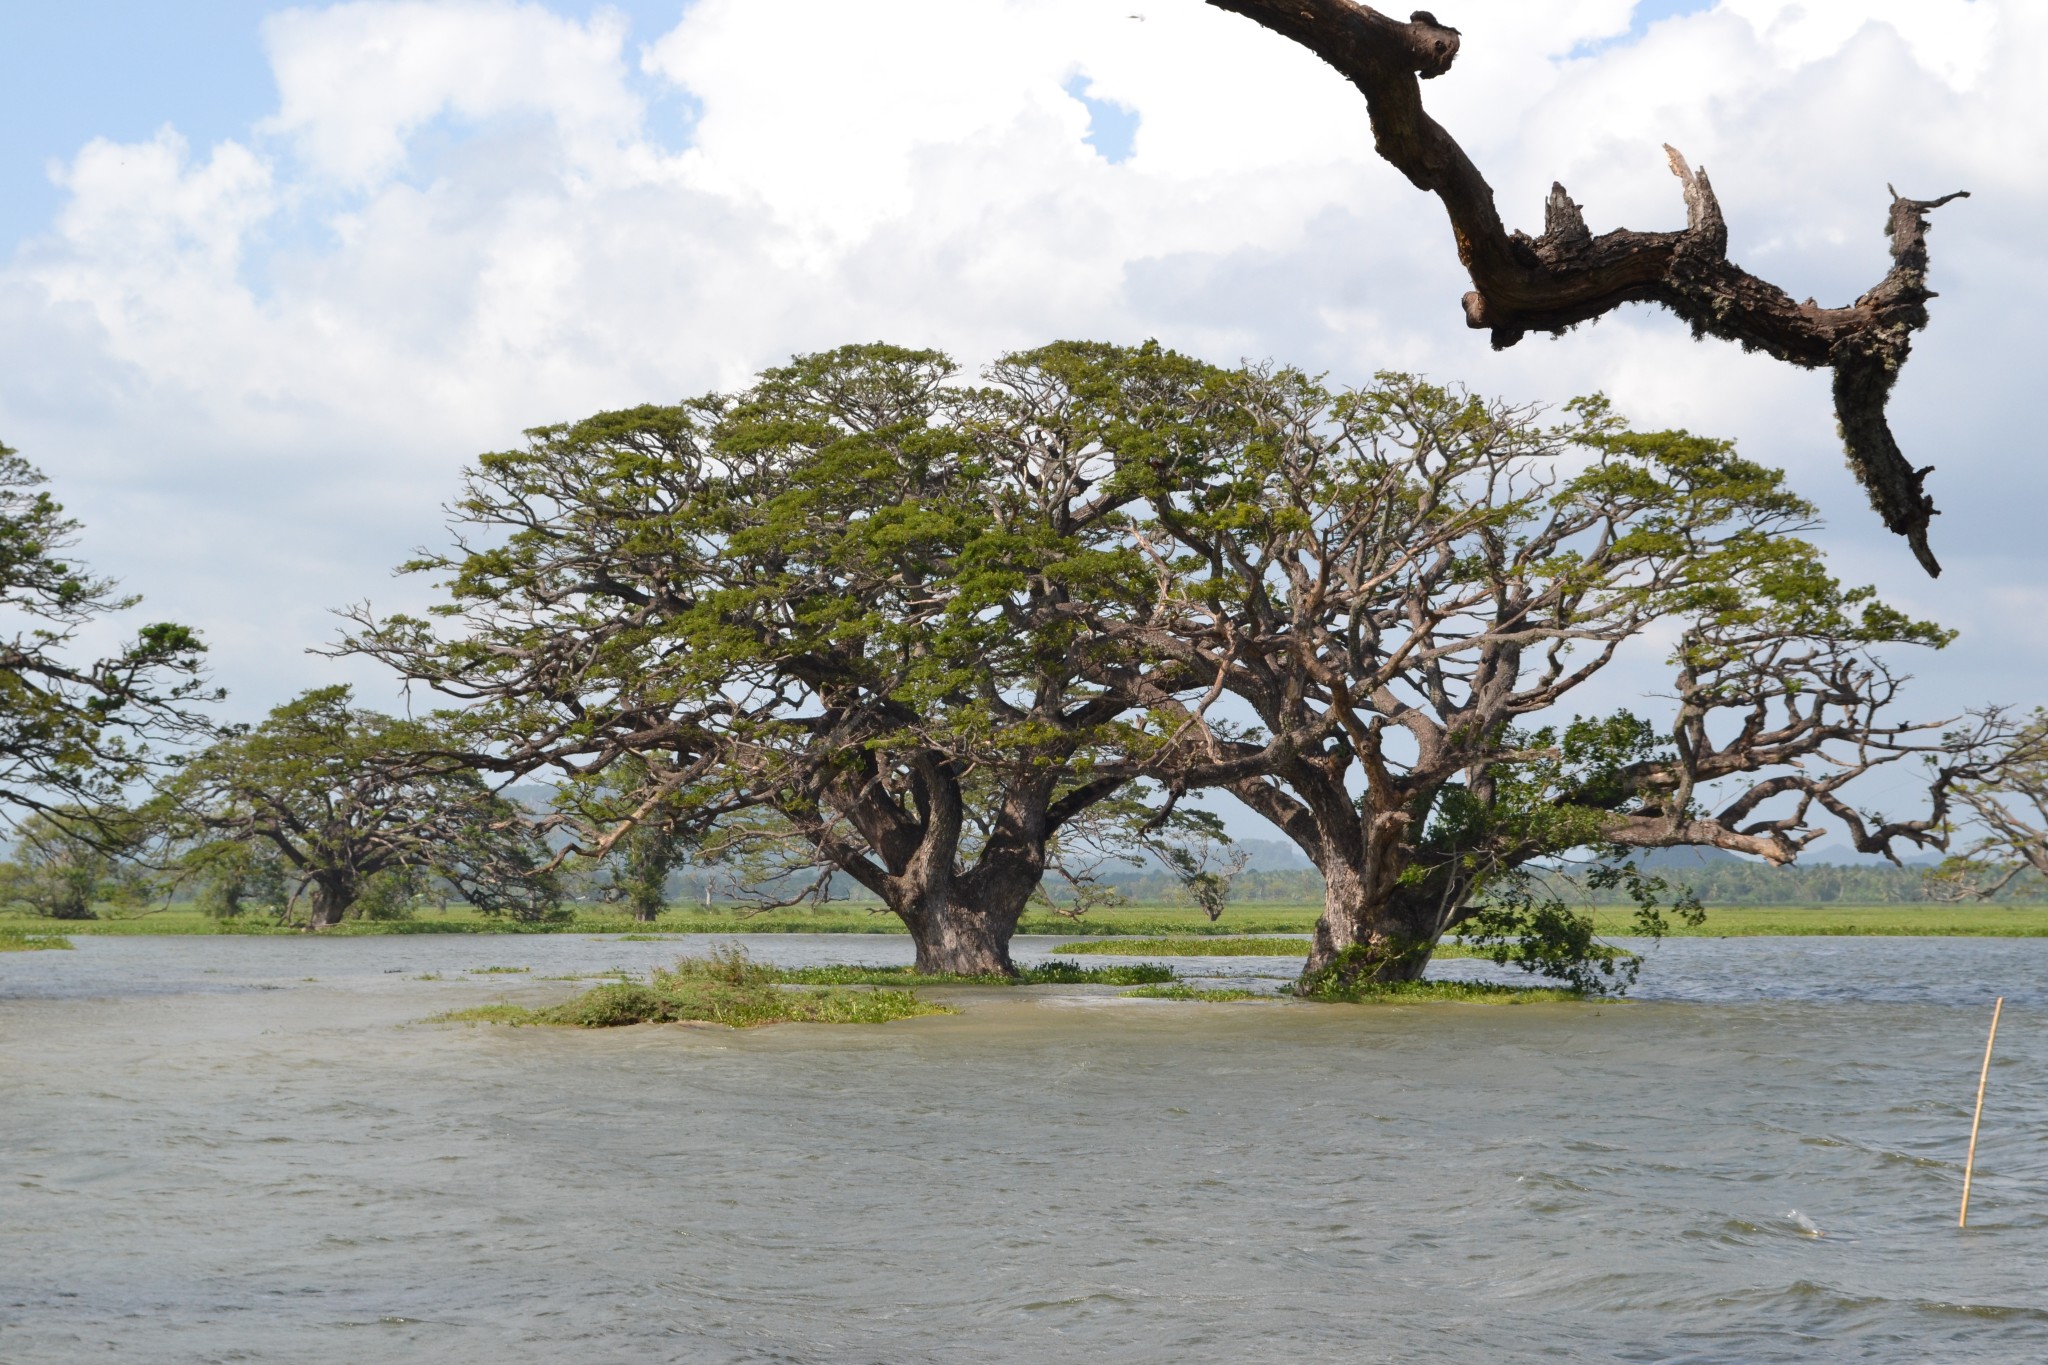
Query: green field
point(1146, 921)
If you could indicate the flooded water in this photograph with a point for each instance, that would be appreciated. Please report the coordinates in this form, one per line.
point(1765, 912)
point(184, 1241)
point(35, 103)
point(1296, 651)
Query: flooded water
point(249, 1149)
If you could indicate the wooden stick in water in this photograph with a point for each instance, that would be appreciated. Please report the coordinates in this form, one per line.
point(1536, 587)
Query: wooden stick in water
point(1970, 1162)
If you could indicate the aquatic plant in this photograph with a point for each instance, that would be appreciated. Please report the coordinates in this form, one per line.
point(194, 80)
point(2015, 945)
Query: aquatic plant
point(15, 941)
point(1182, 991)
point(1332, 988)
point(1190, 946)
point(725, 987)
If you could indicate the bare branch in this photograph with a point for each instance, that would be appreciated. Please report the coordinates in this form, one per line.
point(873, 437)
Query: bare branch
point(1568, 276)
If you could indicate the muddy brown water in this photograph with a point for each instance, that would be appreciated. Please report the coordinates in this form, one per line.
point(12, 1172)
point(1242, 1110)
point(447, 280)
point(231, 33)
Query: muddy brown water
point(206, 1157)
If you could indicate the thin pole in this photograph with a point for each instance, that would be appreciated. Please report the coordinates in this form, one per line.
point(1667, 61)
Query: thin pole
point(1970, 1162)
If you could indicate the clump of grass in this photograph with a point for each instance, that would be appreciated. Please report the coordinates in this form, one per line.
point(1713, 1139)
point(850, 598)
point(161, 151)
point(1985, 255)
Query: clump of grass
point(642, 938)
point(1182, 991)
point(1190, 946)
point(1445, 992)
point(1054, 973)
point(498, 971)
point(15, 941)
point(726, 987)
point(1233, 946)
point(488, 1014)
point(1058, 973)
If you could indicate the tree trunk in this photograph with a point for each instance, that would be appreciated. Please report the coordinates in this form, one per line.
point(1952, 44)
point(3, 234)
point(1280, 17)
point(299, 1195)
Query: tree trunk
point(1368, 934)
point(963, 940)
point(331, 900)
point(962, 926)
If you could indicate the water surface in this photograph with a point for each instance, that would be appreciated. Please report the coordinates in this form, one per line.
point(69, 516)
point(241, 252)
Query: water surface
point(206, 1157)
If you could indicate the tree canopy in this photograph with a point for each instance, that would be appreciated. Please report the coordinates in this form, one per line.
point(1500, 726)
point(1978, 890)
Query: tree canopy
point(76, 733)
point(1405, 583)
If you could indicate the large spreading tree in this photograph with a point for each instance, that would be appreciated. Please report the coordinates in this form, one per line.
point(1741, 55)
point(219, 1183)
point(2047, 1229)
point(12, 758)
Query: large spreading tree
point(838, 617)
point(76, 734)
point(1404, 587)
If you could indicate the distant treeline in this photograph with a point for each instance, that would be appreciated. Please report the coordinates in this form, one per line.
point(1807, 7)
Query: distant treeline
point(1731, 882)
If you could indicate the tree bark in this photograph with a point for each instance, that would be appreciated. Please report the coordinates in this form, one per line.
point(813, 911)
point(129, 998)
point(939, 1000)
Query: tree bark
point(331, 899)
point(1567, 275)
point(1369, 931)
point(962, 925)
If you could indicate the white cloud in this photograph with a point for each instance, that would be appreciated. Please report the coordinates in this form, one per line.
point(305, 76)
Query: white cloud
point(257, 368)
point(358, 81)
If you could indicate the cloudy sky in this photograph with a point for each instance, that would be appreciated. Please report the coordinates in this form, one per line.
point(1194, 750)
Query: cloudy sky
point(269, 276)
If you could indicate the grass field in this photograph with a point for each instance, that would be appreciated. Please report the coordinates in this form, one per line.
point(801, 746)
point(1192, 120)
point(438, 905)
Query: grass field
point(1144, 921)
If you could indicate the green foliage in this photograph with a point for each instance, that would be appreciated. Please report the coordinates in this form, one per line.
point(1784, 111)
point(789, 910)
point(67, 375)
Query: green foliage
point(1527, 923)
point(74, 734)
point(15, 941)
point(65, 865)
point(393, 894)
point(1179, 991)
point(236, 876)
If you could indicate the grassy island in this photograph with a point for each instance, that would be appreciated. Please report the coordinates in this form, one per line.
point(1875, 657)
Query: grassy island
point(726, 987)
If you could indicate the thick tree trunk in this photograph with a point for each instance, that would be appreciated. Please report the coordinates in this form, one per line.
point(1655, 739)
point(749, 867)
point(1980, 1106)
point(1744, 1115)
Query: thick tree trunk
point(964, 940)
point(1368, 933)
point(331, 900)
point(962, 926)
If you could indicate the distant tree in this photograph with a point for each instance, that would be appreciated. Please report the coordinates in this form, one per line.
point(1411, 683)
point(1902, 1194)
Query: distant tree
point(343, 796)
point(64, 865)
point(233, 877)
point(75, 734)
point(653, 841)
point(1998, 823)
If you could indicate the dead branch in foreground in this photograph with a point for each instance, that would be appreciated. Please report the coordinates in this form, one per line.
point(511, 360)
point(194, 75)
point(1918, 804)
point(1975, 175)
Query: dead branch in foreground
point(1567, 275)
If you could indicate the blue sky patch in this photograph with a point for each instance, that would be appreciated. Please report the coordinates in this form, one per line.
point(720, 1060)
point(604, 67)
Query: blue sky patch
point(1112, 127)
